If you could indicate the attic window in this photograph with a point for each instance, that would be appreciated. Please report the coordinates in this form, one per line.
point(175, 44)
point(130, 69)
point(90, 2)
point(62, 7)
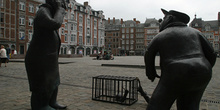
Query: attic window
point(196, 24)
point(153, 25)
point(207, 28)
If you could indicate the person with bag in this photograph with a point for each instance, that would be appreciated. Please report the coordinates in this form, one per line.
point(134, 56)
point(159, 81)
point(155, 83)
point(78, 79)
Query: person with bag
point(3, 56)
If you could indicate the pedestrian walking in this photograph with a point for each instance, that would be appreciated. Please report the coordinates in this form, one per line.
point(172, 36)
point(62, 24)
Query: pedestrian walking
point(3, 56)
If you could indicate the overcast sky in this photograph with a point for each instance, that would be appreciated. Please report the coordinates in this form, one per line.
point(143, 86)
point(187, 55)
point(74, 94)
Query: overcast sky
point(142, 9)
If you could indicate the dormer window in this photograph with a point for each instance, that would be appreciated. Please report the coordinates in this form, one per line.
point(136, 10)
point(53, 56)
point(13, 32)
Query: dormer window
point(207, 28)
point(153, 25)
point(196, 25)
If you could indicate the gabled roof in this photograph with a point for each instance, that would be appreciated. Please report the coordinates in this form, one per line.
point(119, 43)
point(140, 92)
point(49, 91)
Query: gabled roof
point(196, 23)
point(199, 23)
point(148, 22)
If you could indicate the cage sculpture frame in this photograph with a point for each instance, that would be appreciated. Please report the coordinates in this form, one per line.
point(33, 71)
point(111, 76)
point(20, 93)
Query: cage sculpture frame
point(115, 89)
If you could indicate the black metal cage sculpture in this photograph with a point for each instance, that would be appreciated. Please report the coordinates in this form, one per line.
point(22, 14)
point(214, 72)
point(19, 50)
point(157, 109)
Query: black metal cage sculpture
point(115, 89)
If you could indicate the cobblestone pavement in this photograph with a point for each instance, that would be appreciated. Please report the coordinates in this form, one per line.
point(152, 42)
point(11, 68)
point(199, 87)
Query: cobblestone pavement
point(76, 83)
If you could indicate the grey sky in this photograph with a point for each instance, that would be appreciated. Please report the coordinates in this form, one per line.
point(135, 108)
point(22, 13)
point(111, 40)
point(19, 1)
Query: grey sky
point(142, 9)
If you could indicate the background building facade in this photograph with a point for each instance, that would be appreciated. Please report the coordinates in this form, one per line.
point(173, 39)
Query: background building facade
point(85, 30)
point(210, 29)
point(82, 31)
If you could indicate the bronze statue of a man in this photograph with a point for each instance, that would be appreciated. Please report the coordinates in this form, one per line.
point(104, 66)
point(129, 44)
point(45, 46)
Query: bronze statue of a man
point(41, 60)
point(186, 61)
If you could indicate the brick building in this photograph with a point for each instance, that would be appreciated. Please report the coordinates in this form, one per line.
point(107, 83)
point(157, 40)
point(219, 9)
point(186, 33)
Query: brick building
point(113, 36)
point(211, 30)
point(8, 23)
point(16, 23)
point(83, 30)
point(128, 36)
point(140, 47)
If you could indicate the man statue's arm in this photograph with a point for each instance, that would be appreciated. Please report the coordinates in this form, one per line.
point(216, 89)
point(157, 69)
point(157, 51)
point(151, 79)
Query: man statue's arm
point(208, 50)
point(44, 18)
point(149, 59)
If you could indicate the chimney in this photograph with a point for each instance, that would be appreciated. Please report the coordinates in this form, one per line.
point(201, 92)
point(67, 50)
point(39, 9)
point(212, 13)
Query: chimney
point(121, 21)
point(108, 20)
point(134, 19)
point(138, 22)
point(113, 20)
point(219, 16)
point(86, 3)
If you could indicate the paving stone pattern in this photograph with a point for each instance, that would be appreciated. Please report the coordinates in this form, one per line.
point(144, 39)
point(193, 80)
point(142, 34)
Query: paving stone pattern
point(76, 84)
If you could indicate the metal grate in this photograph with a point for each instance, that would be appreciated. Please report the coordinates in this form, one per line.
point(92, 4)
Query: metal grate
point(210, 101)
point(115, 89)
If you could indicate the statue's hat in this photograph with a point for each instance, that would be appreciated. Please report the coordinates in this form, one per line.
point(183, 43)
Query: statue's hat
point(181, 16)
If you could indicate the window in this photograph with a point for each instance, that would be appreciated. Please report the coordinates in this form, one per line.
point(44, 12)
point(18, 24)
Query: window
point(21, 20)
point(127, 36)
point(80, 40)
point(88, 40)
point(2, 32)
point(131, 35)
point(72, 38)
point(88, 31)
point(1, 3)
point(131, 46)
point(123, 30)
point(65, 26)
point(95, 23)
point(127, 41)
point(62, 31)
point(80, 19)
point(216, 46)
point(95, 41)
point(22, 6)
point(95, 33)
point(31, 8)
point(196, 25)
point(65, 38)
point(132, 30)
point(2, 17)
point(153, 25)
point(72, 16)
point(21, 35)
point(207, 28)
point(30, 23)
point(71, 27)
point(75, 27)
point(127, 30)
point(88, 21)
point(216, 38)
point(80, 29)
point(30, 34)
point(123, 36)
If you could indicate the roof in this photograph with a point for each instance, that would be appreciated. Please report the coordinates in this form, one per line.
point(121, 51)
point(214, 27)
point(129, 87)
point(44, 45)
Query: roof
point(149, 21)
point(199, 23)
